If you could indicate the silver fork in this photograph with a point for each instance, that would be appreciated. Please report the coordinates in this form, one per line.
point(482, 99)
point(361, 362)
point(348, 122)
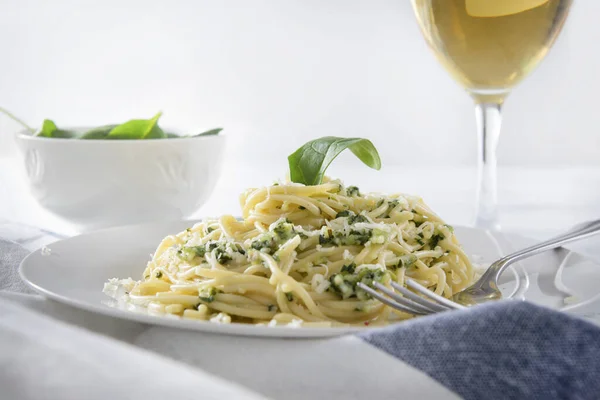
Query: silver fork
point(422, 301)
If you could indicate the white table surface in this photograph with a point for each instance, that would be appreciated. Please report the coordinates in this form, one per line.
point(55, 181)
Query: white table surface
point(535, 202)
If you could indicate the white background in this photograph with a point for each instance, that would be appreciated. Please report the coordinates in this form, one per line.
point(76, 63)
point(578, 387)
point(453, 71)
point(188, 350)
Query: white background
point(277, 72)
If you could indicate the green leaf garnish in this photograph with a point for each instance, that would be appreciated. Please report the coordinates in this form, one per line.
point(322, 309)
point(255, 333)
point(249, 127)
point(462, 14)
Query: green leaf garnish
point(138, 129)
point(309, 163)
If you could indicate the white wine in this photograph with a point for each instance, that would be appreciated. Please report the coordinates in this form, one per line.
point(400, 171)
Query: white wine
point(490, 45)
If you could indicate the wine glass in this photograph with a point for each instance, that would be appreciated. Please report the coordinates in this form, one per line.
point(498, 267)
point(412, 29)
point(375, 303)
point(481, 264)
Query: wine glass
point(489, 46)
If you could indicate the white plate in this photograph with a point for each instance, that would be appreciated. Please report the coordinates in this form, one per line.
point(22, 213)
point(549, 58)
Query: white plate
point(75, 271)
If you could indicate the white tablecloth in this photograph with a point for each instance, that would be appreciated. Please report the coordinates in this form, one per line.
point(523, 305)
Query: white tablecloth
point(534, 202)
point(275, 368)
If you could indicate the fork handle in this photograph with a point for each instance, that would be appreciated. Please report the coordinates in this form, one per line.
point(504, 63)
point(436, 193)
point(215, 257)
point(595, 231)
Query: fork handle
point(578, 232)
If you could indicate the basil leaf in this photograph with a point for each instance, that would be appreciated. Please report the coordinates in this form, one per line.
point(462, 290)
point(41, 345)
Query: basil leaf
point(309, 163)
point(138, 129)
point(211, 132)
point(50, 130)
point(100, 132)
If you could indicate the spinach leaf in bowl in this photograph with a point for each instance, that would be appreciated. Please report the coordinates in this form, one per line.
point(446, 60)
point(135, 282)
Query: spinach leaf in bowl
point(135, 129)
point(211, 132)
point(50, 130)
point(138, 129)
point(100, 132)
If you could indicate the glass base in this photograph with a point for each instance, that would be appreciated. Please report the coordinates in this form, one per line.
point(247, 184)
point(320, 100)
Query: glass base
point(491, 224)
point(494, 96)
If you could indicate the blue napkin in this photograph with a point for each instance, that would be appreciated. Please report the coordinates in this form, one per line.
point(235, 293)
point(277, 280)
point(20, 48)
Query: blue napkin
point(502, 350)
point(11, 255)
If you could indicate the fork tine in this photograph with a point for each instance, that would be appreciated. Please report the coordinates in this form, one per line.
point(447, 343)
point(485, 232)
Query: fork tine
point(389, 302)
point(428, 307)
point(429, 294)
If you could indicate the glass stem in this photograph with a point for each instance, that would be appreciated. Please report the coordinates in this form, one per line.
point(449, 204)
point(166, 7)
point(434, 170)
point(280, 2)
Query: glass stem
point(489, 119)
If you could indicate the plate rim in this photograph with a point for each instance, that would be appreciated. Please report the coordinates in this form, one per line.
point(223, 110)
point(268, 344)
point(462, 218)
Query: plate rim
point(236, 329)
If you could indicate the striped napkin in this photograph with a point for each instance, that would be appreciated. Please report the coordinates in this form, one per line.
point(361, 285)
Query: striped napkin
point(504, 350)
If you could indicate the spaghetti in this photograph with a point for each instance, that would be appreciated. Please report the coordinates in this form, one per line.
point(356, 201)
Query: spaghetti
point(296, 258)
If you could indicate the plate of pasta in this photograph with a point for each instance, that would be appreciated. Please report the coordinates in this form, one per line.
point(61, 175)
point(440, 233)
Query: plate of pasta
point(290, 265)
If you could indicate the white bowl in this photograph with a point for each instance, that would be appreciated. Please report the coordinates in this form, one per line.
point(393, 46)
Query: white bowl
point(99, 183)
